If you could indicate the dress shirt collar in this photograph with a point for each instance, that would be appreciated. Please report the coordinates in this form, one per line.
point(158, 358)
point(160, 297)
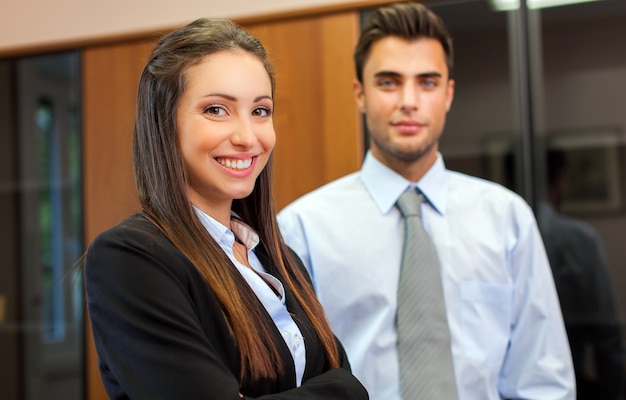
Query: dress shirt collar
point(245, 233)
point(224, 236)
point(385, 185)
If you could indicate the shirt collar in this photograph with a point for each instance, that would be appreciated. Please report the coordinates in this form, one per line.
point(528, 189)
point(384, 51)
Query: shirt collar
point(245, 233)
point(385, 185)
point(225, 236)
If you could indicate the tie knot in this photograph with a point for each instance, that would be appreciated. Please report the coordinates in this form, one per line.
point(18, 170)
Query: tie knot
point(409, 203)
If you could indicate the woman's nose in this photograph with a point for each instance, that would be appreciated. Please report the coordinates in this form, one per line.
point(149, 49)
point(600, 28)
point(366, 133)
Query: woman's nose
point(243, 134)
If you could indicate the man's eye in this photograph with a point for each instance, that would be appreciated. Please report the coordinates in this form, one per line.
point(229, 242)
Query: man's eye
point(386, 83)
point(429, 83)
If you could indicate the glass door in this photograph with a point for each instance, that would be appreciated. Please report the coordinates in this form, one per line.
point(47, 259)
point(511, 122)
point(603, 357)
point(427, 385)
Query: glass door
point(539, 107)
point(41, 297)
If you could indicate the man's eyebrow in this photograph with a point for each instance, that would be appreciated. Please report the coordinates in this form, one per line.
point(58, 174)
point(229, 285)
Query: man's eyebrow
point(387, 74)
point(393, 74)
point(433, 74)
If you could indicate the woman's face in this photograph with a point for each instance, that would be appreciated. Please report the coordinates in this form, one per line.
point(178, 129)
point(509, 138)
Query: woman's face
point(225, 127)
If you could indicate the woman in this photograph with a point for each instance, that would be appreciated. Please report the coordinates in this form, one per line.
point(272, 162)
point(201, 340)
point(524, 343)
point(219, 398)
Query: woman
point(197, 297)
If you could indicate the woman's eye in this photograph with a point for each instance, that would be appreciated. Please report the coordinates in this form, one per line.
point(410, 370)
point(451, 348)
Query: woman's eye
point(215, 110)
point(262, 112)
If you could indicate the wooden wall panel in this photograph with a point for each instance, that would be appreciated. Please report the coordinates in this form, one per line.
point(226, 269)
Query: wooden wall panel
point(110, 78)
point(317, 125)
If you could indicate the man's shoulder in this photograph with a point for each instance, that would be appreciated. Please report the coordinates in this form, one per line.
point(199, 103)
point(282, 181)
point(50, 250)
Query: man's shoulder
point(462, 177)
point(463, 182)
point(566, 226)
point(485, 196)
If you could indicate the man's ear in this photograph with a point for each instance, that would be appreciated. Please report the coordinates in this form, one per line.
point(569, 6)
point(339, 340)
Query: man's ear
point(359, 96)
point(450, 94)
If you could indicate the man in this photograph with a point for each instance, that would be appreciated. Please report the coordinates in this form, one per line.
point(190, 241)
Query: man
point(583, 283)
point(506, 334)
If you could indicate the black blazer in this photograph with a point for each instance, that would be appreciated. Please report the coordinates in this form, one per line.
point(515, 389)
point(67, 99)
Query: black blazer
point(160, 334)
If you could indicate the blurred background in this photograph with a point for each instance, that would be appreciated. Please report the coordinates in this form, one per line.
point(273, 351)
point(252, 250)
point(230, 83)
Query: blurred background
point(540, 107)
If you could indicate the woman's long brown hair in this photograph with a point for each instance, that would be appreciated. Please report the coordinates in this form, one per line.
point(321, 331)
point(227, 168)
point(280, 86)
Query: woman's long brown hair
point(161, 184)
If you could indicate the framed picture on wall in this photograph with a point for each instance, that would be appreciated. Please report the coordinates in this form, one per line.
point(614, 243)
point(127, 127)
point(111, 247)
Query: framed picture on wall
point(593, 162)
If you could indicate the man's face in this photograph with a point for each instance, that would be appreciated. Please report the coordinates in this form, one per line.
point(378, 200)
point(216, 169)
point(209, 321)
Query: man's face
point(405, 95)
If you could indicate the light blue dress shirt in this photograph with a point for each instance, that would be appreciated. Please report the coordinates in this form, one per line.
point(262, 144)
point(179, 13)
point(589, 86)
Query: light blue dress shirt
point(508, 339)
point(259, 279)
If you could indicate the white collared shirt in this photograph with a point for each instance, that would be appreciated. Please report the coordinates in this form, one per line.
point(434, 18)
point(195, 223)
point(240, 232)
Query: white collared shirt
point(272, 299)
point(507, 333)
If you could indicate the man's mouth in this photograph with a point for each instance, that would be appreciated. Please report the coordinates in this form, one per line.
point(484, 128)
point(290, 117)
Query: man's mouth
point(408, 126)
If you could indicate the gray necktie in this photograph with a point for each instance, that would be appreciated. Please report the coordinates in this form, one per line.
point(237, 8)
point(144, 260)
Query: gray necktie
point(426, 368)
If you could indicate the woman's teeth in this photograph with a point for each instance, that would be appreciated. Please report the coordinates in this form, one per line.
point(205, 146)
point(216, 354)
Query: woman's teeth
point(235, 164)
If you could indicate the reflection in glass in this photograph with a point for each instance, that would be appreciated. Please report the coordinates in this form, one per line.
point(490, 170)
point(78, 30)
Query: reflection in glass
point(51, 270)
point(583, 282)
point(48, 297)
point(577, 97)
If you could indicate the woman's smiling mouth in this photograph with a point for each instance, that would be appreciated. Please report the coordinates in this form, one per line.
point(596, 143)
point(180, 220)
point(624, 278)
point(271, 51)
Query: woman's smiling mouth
point(235, 164)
